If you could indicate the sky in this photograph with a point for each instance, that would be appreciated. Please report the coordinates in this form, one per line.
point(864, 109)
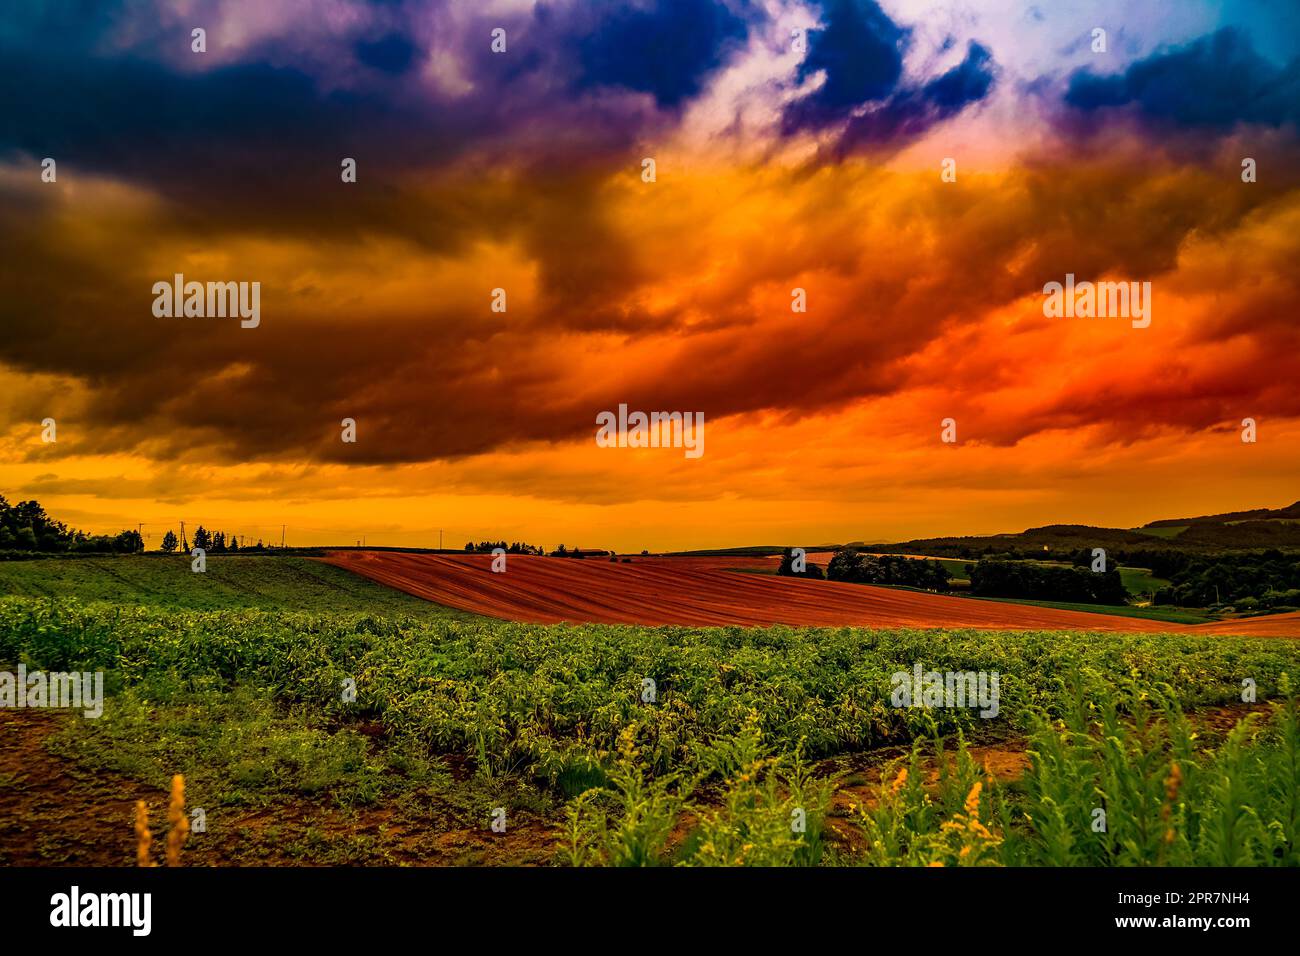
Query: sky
point(796, 146)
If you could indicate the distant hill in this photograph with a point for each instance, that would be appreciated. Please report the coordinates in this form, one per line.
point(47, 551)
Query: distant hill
point(1052, 537)
point(1230, 531)
point(1235, 530)
point(1289, 513)
point(1258, 528)
point(765, 550)
point(756, 550)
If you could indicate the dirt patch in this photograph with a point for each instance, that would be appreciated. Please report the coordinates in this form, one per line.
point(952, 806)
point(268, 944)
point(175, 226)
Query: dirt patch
point(53, 812)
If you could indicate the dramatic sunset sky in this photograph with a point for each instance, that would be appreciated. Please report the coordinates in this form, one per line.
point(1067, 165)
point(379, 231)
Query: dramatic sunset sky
point(777, 168)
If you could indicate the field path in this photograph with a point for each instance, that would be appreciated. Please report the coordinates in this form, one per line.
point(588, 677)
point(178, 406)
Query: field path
point(701, 591)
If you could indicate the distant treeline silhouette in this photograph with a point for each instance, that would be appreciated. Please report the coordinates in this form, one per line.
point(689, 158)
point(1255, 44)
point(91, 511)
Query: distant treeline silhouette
point(212, 542)
point(27, 530)
point(849, 565)
point(519, 547)
point(1046, 582)
point(1262, 579)
point(514, 547)
point(25, 527)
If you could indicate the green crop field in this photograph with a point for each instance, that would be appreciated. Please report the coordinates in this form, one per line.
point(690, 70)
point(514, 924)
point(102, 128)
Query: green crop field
point(638, 745)
point(268, 582)
point(956, 567)
point(1172, 615)
point(1141, 580)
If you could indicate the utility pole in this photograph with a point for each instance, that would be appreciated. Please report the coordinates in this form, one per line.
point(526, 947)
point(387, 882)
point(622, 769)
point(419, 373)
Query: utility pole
point(282, 537)
point(439, 539)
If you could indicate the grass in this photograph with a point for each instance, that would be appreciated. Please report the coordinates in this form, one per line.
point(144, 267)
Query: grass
point(1170, 531)
point(1105, 788)
point(1141, 580)
point(955, 567)
point(1169, 614)
point(265, 582)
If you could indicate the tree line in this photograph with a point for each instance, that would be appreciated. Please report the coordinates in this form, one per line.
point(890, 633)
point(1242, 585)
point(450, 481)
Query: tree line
point(25, 527)
point(892, 569)
point(1046, 582)
point(1267, 579)
point(519, 547)
point(514, 547)
point(857, 568)
point(211, 542)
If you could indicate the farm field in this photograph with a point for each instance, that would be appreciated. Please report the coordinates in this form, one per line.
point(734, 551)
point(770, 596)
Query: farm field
point(1161, 614)
point(277, 582)
point(458, 720)
point(702, 591)
point(455, 721)
point(1136, 580)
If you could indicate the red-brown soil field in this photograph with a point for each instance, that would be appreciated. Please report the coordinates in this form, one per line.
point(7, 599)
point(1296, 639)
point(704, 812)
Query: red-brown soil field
point(705, 591)
point(1269, 625)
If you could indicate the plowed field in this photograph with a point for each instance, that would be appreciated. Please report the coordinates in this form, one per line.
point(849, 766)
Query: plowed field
point(703, 591)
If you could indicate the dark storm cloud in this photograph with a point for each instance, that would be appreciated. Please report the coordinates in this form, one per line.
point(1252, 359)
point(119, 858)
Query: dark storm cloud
point(393, 53)
point(254, 143)
point(1215, 81)
point(206, 139)
point(665, 48)
point(860, 51)
point(240, 162)
point(911, 112)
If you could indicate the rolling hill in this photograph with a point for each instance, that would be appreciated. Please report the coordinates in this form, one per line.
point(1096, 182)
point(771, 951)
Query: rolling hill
point(1235, 530)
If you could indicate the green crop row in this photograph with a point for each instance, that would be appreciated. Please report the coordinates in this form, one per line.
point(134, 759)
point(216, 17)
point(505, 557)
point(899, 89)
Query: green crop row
point(718, 766)
point(510, 695)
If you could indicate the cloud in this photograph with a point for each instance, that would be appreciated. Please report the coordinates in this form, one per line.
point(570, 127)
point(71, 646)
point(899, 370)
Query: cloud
point(250, 136)
point(681, 301)
point(912, 112)
point(664, 47)
point(1215, 81)
point(392, 53)
point(864, 96)
point(521, 171)
point(860, 51)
